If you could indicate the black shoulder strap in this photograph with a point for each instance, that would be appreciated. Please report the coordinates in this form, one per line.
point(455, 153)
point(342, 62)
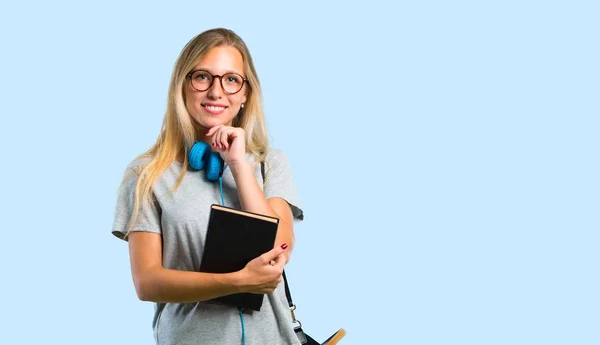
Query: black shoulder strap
point(287, 288)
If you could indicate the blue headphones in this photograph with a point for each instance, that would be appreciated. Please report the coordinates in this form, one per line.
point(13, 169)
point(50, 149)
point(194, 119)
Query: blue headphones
point(202, 157)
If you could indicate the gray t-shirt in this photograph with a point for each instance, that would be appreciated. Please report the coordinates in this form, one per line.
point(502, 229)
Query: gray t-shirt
point(182, 218)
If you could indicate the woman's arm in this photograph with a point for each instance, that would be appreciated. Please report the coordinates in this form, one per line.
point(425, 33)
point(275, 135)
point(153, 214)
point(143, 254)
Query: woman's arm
point(155, 283)
point(230, 143)
point(252, 199)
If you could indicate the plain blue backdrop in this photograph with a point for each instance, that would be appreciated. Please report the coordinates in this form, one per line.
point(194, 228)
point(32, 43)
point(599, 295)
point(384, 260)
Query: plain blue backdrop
point(446, 155)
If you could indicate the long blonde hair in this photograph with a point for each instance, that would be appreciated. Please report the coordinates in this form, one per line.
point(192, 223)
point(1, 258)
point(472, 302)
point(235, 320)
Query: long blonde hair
point(178, 132)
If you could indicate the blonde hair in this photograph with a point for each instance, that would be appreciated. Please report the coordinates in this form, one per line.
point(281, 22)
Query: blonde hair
point(178, 129)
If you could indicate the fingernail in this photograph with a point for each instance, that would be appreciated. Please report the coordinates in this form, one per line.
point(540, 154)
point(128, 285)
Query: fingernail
point(284, 246)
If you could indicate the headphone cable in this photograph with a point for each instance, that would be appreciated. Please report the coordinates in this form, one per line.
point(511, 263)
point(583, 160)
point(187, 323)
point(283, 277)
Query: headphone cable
point(239, 307)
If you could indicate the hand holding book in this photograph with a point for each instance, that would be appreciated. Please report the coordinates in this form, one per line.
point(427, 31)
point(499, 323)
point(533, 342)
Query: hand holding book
point(264, 273)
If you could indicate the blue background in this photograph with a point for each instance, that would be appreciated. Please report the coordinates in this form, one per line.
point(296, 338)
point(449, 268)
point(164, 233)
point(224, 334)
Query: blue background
point(446, 155)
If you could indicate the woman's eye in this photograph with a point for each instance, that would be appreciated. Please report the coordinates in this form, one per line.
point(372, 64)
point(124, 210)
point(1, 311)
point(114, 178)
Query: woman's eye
point(232, 79)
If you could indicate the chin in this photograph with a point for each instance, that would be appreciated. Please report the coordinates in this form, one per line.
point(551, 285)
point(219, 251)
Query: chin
point(212, 121)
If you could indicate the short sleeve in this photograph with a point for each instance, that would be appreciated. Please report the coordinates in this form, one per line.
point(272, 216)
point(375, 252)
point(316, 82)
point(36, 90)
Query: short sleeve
point(279, 181)
point(148, 218)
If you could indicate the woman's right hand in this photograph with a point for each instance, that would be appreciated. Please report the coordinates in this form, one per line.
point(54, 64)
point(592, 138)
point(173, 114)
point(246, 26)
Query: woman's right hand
point(264, 273)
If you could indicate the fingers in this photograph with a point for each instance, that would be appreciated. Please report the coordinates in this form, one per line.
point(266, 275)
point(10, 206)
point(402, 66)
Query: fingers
point(274, 285)
point(213, 130)
point(273, 254)
point(215, 133)
point(271, 285)
point(220, 136)
point(269, 267)
point(279, 262)
point(223, 138)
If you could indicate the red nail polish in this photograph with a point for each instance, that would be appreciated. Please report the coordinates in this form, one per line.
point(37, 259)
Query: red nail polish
point(284, 246)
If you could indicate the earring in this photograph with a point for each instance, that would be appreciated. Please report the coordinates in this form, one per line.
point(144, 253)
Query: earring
point(242, 105)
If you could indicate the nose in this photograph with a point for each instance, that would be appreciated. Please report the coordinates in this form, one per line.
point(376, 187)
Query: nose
point(216, 91)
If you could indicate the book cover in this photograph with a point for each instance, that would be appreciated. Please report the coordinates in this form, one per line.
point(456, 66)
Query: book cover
point(234, 238)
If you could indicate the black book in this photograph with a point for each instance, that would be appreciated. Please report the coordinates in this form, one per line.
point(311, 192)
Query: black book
point(233, 239)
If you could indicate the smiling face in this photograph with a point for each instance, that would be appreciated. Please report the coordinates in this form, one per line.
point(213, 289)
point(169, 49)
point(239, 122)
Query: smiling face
point(215, 106)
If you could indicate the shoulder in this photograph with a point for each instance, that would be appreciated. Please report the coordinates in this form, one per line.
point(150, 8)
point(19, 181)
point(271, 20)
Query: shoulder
point(277, 162)
point(279, 181)
point(276, 156)
point(134, 168)
point(137, 164)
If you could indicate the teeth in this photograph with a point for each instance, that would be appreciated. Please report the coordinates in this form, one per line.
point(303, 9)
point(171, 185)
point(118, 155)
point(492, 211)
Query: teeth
point(214, 108)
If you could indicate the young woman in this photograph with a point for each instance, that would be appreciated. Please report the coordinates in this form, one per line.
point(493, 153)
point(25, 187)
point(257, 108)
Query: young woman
point(163, 203)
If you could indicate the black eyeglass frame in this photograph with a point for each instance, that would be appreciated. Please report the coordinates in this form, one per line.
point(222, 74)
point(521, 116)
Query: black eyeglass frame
point(214, 76)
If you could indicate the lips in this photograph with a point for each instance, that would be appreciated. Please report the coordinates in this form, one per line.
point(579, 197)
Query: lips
point(213, 108)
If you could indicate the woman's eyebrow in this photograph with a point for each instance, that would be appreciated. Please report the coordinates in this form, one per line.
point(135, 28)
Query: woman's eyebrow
point(211, 72)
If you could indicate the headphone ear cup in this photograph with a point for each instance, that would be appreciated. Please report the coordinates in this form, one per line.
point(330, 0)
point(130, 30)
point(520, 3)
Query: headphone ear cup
point(201, 157)
point(214, 168)
point(196, 155)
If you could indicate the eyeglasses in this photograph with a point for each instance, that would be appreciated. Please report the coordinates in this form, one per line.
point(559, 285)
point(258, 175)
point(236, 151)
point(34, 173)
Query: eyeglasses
point(230, 82)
